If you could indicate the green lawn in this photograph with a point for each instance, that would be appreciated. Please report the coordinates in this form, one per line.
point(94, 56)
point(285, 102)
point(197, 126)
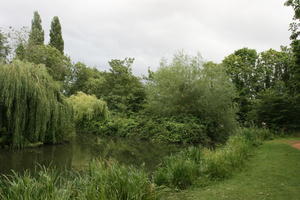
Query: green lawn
point(272, 173)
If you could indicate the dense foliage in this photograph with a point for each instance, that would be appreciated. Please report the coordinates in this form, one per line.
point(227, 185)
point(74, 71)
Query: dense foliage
point(32, 107)
point(4, 48)
point(57, 64)
point(87, 108)
point(185, 101)
point(56, 39)
point(36, 35)
point(182, 129)
point(187, 87)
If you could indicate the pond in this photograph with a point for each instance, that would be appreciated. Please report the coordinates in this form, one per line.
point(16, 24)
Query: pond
point(78, 153)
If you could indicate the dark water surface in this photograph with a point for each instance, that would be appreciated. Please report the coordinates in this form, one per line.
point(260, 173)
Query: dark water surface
point(83, 149)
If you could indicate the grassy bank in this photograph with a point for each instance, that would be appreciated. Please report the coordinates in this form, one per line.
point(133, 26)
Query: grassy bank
point(273, 173)
point(200, 166)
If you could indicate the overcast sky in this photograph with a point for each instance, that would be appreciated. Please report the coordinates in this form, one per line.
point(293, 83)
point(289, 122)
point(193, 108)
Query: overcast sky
point(96, 31)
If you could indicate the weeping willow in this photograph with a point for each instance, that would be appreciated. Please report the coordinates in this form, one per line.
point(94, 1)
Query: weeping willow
point(88, 107)
point(32, 109)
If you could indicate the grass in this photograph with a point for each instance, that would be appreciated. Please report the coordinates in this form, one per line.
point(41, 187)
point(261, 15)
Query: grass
point(200, 166)
point(104, 180)
point(180, 170)
point(272, 174)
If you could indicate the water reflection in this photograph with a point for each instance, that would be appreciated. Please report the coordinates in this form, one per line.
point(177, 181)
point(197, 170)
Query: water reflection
point(82, 150)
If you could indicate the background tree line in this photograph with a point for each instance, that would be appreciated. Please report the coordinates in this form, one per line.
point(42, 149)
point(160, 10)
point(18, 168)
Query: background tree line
point(185, 100)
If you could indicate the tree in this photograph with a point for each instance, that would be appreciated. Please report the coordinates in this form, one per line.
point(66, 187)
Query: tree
point(57, 64)
point(85, 79)
point(186, 87)
point(4, 48)
point(241, 67)
point(32, 109)
point(121, 89)
point(56, 39)
point(277, 109)
point(17, 41)
point(20, 52)
point(36, 35)
point(87, 108)
point(294, 27)
point(274, 66)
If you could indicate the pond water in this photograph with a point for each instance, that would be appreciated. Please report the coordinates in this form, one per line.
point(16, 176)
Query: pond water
point(78, 153)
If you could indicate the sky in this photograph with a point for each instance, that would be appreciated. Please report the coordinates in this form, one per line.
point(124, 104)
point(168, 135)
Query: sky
point(96, 31)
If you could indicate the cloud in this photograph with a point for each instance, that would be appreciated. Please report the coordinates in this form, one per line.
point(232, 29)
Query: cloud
point(97, 31)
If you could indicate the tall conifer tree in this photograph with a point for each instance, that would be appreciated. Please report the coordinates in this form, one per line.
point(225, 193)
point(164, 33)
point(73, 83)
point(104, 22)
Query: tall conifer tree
point(36, 35)
point(56, 39)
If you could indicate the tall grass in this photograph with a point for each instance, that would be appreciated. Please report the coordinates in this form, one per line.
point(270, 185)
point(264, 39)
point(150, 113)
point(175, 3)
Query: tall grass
point(196, 164)
point(104, 180)
point(180, 170)
point(46, 184)
point(108, 180)
point(222, 162)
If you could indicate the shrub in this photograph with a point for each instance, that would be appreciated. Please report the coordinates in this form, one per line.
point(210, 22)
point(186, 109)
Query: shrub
point(255, 135)
point(169, 130)
point(87, 108)
point(186, 86)
point(115, 126)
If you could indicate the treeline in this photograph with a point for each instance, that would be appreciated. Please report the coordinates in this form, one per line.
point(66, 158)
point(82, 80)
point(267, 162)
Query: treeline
point(187, 100)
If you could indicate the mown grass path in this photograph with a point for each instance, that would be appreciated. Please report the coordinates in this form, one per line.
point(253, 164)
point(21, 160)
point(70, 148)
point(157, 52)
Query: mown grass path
point(273, 173)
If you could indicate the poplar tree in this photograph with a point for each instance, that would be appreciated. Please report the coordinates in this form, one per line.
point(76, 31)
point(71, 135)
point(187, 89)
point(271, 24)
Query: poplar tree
point(56, 39)
point(36, 35)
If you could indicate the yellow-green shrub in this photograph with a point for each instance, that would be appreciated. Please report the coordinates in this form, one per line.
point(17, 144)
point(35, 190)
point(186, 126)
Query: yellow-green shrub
point(87, 108)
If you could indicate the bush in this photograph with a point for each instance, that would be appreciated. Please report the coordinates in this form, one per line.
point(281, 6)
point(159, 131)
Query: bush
point(87, 108)
point(255, 135)
point(277, 109)
point(169, 130)
point(186, 86)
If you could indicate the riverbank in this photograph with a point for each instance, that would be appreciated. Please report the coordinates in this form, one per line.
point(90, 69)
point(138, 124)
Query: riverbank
point(272, 173)
point(236, 170)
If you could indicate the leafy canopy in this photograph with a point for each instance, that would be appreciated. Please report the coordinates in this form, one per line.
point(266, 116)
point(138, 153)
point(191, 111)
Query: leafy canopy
point(186, 86)
point(88, 107)
point(56, 39)
point(32, 109)
point(36, 35)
